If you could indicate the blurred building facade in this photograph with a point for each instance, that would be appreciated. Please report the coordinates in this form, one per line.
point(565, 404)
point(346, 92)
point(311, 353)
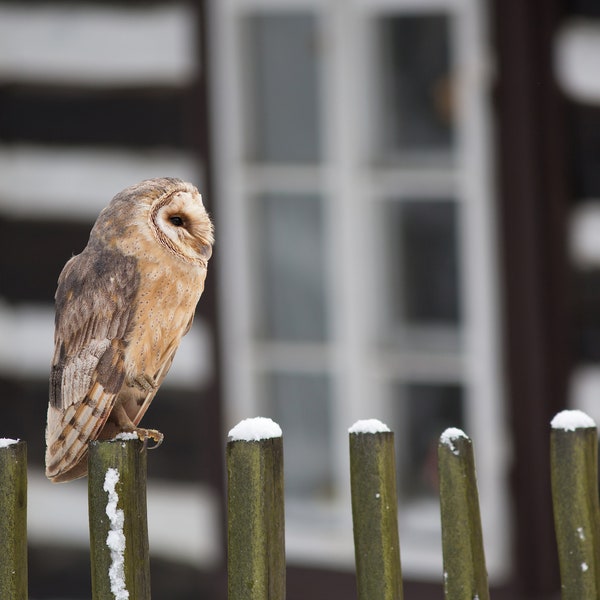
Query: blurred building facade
point(405, 196)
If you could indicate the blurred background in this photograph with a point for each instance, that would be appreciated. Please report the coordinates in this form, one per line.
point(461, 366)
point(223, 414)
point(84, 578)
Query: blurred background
point(406, 196)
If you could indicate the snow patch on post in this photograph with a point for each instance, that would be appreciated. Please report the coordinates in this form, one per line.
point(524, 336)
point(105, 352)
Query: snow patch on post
point(570, 420)
point(254, 430)
point(5, 442)
point(450, 435)
point(126, 435)
point(115, 540)
point(369, 426)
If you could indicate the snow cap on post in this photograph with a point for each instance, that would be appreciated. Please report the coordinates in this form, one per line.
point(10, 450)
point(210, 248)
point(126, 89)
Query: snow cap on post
point(6, 442)
point(254, 430)
point(570, 420)
point(450, 436)
point(369, 426)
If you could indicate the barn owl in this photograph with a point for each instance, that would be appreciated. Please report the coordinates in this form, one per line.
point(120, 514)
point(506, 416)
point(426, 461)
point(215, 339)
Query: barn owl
point(122, 307)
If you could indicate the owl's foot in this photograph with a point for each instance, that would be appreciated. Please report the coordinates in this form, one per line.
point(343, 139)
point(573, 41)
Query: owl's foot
point(126, 425)
point(142, 434)
point(150, 434)
point(143, 382)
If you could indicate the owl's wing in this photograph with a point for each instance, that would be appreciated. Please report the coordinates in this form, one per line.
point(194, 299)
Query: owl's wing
point(94, 306)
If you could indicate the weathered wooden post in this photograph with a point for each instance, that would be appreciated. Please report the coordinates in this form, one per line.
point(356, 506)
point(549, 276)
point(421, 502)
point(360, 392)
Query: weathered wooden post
point(465, 574)
point(13, 519)
point(255, 510)
point(574, 467)
point(118, 520)
point(375, 511)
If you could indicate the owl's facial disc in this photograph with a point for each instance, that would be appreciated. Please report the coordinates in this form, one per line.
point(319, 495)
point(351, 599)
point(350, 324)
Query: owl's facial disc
point(183, 226)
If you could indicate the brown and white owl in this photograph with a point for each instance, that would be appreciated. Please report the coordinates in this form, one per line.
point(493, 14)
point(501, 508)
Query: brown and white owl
point(122, 307)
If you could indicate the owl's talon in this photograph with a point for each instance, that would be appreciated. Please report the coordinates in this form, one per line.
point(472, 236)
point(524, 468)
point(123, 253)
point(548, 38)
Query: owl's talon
point(153, 434)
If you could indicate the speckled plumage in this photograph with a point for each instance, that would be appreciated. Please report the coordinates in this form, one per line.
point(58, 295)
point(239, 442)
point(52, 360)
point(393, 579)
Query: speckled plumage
point(122, 307)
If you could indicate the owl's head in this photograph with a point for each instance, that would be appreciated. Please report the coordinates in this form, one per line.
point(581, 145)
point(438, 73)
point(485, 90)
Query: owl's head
point(179, 222)
point(166, 210)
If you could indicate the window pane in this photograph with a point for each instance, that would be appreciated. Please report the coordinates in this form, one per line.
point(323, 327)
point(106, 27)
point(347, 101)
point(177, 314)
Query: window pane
point(586, 324)
point(420, 266)
point(416, 85)
point(585, 155)
point(283, 80)
point(422, 412)
point(300, 404)
point(291, 293)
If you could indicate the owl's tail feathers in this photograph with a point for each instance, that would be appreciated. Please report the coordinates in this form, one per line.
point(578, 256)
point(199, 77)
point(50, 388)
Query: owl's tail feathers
point(55, 475)
point(70, 429)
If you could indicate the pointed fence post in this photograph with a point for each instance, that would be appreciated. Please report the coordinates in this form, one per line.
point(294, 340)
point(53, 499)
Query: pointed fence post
point(118, 520)
point(375, 511)
point(574, 468)
point(13, 519)
point(255, 511)
point(465, 574)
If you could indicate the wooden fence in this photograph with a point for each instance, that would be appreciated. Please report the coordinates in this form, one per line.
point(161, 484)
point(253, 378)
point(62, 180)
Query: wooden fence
point(256, 549)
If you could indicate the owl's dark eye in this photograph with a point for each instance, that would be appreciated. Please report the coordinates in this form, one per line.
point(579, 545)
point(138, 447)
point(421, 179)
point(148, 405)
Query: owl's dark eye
point(176, 220)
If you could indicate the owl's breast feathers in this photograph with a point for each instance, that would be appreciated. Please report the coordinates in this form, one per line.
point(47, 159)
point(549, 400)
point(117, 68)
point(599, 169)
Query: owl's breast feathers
point(167, 296)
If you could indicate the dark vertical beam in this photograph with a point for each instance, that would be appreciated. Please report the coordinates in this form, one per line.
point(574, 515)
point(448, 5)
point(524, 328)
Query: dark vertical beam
point(201, 142)
point(533, 203)
point(213, 424)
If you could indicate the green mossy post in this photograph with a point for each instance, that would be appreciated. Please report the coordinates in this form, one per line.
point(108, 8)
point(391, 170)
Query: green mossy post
point(13, 521)
point(375, 516)
point(574, 467)
point(465, 574)
point(128, 457)
point(256, 530)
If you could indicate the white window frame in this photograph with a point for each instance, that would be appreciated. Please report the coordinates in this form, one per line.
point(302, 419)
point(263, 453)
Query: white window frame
point(320, 534)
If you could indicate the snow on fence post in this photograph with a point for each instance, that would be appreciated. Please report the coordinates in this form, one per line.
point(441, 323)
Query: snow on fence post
point(375, 511)
point(255, 511)
point(465, 574)
point(574, 468)
point(13, 519)
point(119, 550)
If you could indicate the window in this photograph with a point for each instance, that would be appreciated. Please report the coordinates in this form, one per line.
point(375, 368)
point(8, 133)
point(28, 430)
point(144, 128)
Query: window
point(290, 304)
point(356, 237)
point(282, 88)
point(413, 57)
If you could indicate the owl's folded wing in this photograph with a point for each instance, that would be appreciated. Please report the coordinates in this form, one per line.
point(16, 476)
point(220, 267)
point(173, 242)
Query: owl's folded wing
point(94, 305)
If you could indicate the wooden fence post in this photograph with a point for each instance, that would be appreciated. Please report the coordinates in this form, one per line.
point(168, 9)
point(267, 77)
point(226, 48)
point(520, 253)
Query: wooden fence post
point(13, 519)
point(118, 520)
point(465, 574)
point(574, 467)
point(255, 510)
point(375, 511)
